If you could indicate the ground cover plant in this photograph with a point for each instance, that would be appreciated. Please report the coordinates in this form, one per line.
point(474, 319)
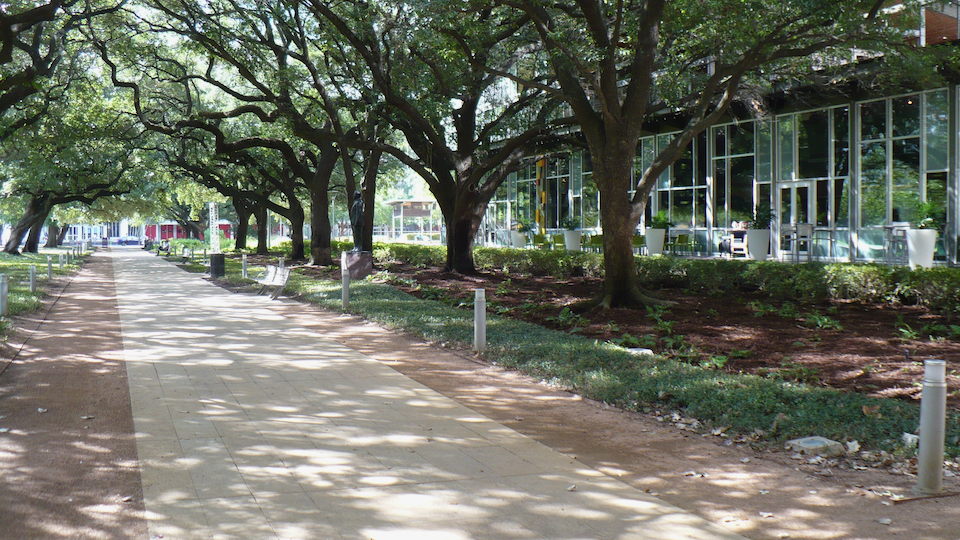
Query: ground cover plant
point(767, 350)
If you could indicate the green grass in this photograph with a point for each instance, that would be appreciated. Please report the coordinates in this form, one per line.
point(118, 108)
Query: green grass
point(780, 406)
point(17, 269)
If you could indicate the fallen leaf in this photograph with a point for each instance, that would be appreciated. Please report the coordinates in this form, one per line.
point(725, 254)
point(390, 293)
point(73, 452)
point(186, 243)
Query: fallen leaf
point(885, 521)
point(573, 487)
point(766, 514)
point(872, 410)
point(41, 410)
point(745, 460)
point(86, 418)
point(764, 491)
point(852, 447)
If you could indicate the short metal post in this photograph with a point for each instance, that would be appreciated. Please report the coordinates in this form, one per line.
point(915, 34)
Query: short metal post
point(281, 262)
point(344, 281)
point(49, 267)
point(933, 412)
point(244, 265)
point(204, 255)
point(479, 320)
point(33, 278)
point(4, 295)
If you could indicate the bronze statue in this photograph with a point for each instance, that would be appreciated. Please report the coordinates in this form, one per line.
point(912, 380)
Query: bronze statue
point(356, 221)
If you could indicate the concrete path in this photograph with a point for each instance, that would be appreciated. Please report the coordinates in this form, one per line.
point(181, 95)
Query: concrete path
point(251, 426)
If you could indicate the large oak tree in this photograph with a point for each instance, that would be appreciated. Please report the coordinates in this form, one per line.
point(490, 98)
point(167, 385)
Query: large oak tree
point(621, 64)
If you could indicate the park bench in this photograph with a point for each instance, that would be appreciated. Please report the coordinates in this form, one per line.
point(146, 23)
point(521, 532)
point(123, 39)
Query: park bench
point(163, 249)
point(273, 276)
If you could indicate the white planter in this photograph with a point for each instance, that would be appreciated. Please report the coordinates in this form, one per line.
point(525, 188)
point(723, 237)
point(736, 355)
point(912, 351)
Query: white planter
point(758, 244)
point(920, 246)
point(572, 240)
point(654, 238)
point(518, 239)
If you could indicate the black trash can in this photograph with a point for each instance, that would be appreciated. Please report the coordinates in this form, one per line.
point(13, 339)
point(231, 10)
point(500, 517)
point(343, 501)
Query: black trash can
point(218, 266)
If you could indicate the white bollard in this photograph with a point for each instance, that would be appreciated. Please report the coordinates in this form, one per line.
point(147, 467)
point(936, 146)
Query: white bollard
point(49, 267)
point(280, 262)
point(33, 278)
point(479, 320)
point(243, 260)
point(4, 295)
point(344, 281)
point(60, 260)
point(933, 413)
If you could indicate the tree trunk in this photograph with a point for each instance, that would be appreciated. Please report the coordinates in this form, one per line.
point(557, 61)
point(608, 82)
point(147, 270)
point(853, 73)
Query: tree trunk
point(63, 234)
point(320, 249)
point(369, 192)
point(53, 235)
point(33, 237)
point(462, 231)
point(619, 221)
point(242, 208)
point(263, 229)
point(36, 210)
point(297, 218)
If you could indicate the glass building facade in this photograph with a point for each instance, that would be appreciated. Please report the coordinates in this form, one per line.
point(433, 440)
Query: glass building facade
point(854, 171)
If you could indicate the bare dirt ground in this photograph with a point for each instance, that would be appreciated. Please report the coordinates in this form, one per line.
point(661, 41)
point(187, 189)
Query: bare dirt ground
point(71, 471)
point(68, 458)
point(875, 350)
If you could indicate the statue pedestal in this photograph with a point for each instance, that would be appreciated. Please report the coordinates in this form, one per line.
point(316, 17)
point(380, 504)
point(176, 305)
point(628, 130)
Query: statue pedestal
point(359, 263)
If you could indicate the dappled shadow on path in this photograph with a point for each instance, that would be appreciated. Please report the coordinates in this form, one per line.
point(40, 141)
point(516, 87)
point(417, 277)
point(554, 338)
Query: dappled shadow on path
point(249, 426)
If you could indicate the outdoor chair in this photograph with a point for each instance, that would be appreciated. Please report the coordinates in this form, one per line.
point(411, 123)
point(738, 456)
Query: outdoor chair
point(798, 235)
point(639, 244)
point(557, 242)
point(540, 241)
point(595, 243)
point(738, 243)
point(683, 243)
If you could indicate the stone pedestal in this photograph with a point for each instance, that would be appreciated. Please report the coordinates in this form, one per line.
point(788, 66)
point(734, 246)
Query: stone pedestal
point(359, 263)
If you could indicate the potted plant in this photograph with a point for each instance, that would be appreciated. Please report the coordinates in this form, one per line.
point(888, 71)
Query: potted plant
point(758, 232)
point(657, 231)
point(922, 239)
point(518, 237)
point(571, 233)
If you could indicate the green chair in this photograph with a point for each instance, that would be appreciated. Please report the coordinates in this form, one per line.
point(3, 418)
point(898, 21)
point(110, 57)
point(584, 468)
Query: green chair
point(558, 242)
point(683, 243)
point(639, 244)
point(595, 243)
point(540, 241)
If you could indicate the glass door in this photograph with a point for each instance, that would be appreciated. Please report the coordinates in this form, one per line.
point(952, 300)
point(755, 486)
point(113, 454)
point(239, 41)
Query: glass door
point(796, 208)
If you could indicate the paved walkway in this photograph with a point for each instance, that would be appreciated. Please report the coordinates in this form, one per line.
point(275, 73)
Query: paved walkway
point(251, 426)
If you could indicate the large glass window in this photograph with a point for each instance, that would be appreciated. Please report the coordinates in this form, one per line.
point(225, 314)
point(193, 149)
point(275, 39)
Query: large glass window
point(590, 195)
point(681, 191)
point(525, 208)
point(902, 160)
point(734, 172)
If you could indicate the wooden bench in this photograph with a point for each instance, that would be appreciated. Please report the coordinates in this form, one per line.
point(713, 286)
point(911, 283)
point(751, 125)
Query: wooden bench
point(273, 276)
